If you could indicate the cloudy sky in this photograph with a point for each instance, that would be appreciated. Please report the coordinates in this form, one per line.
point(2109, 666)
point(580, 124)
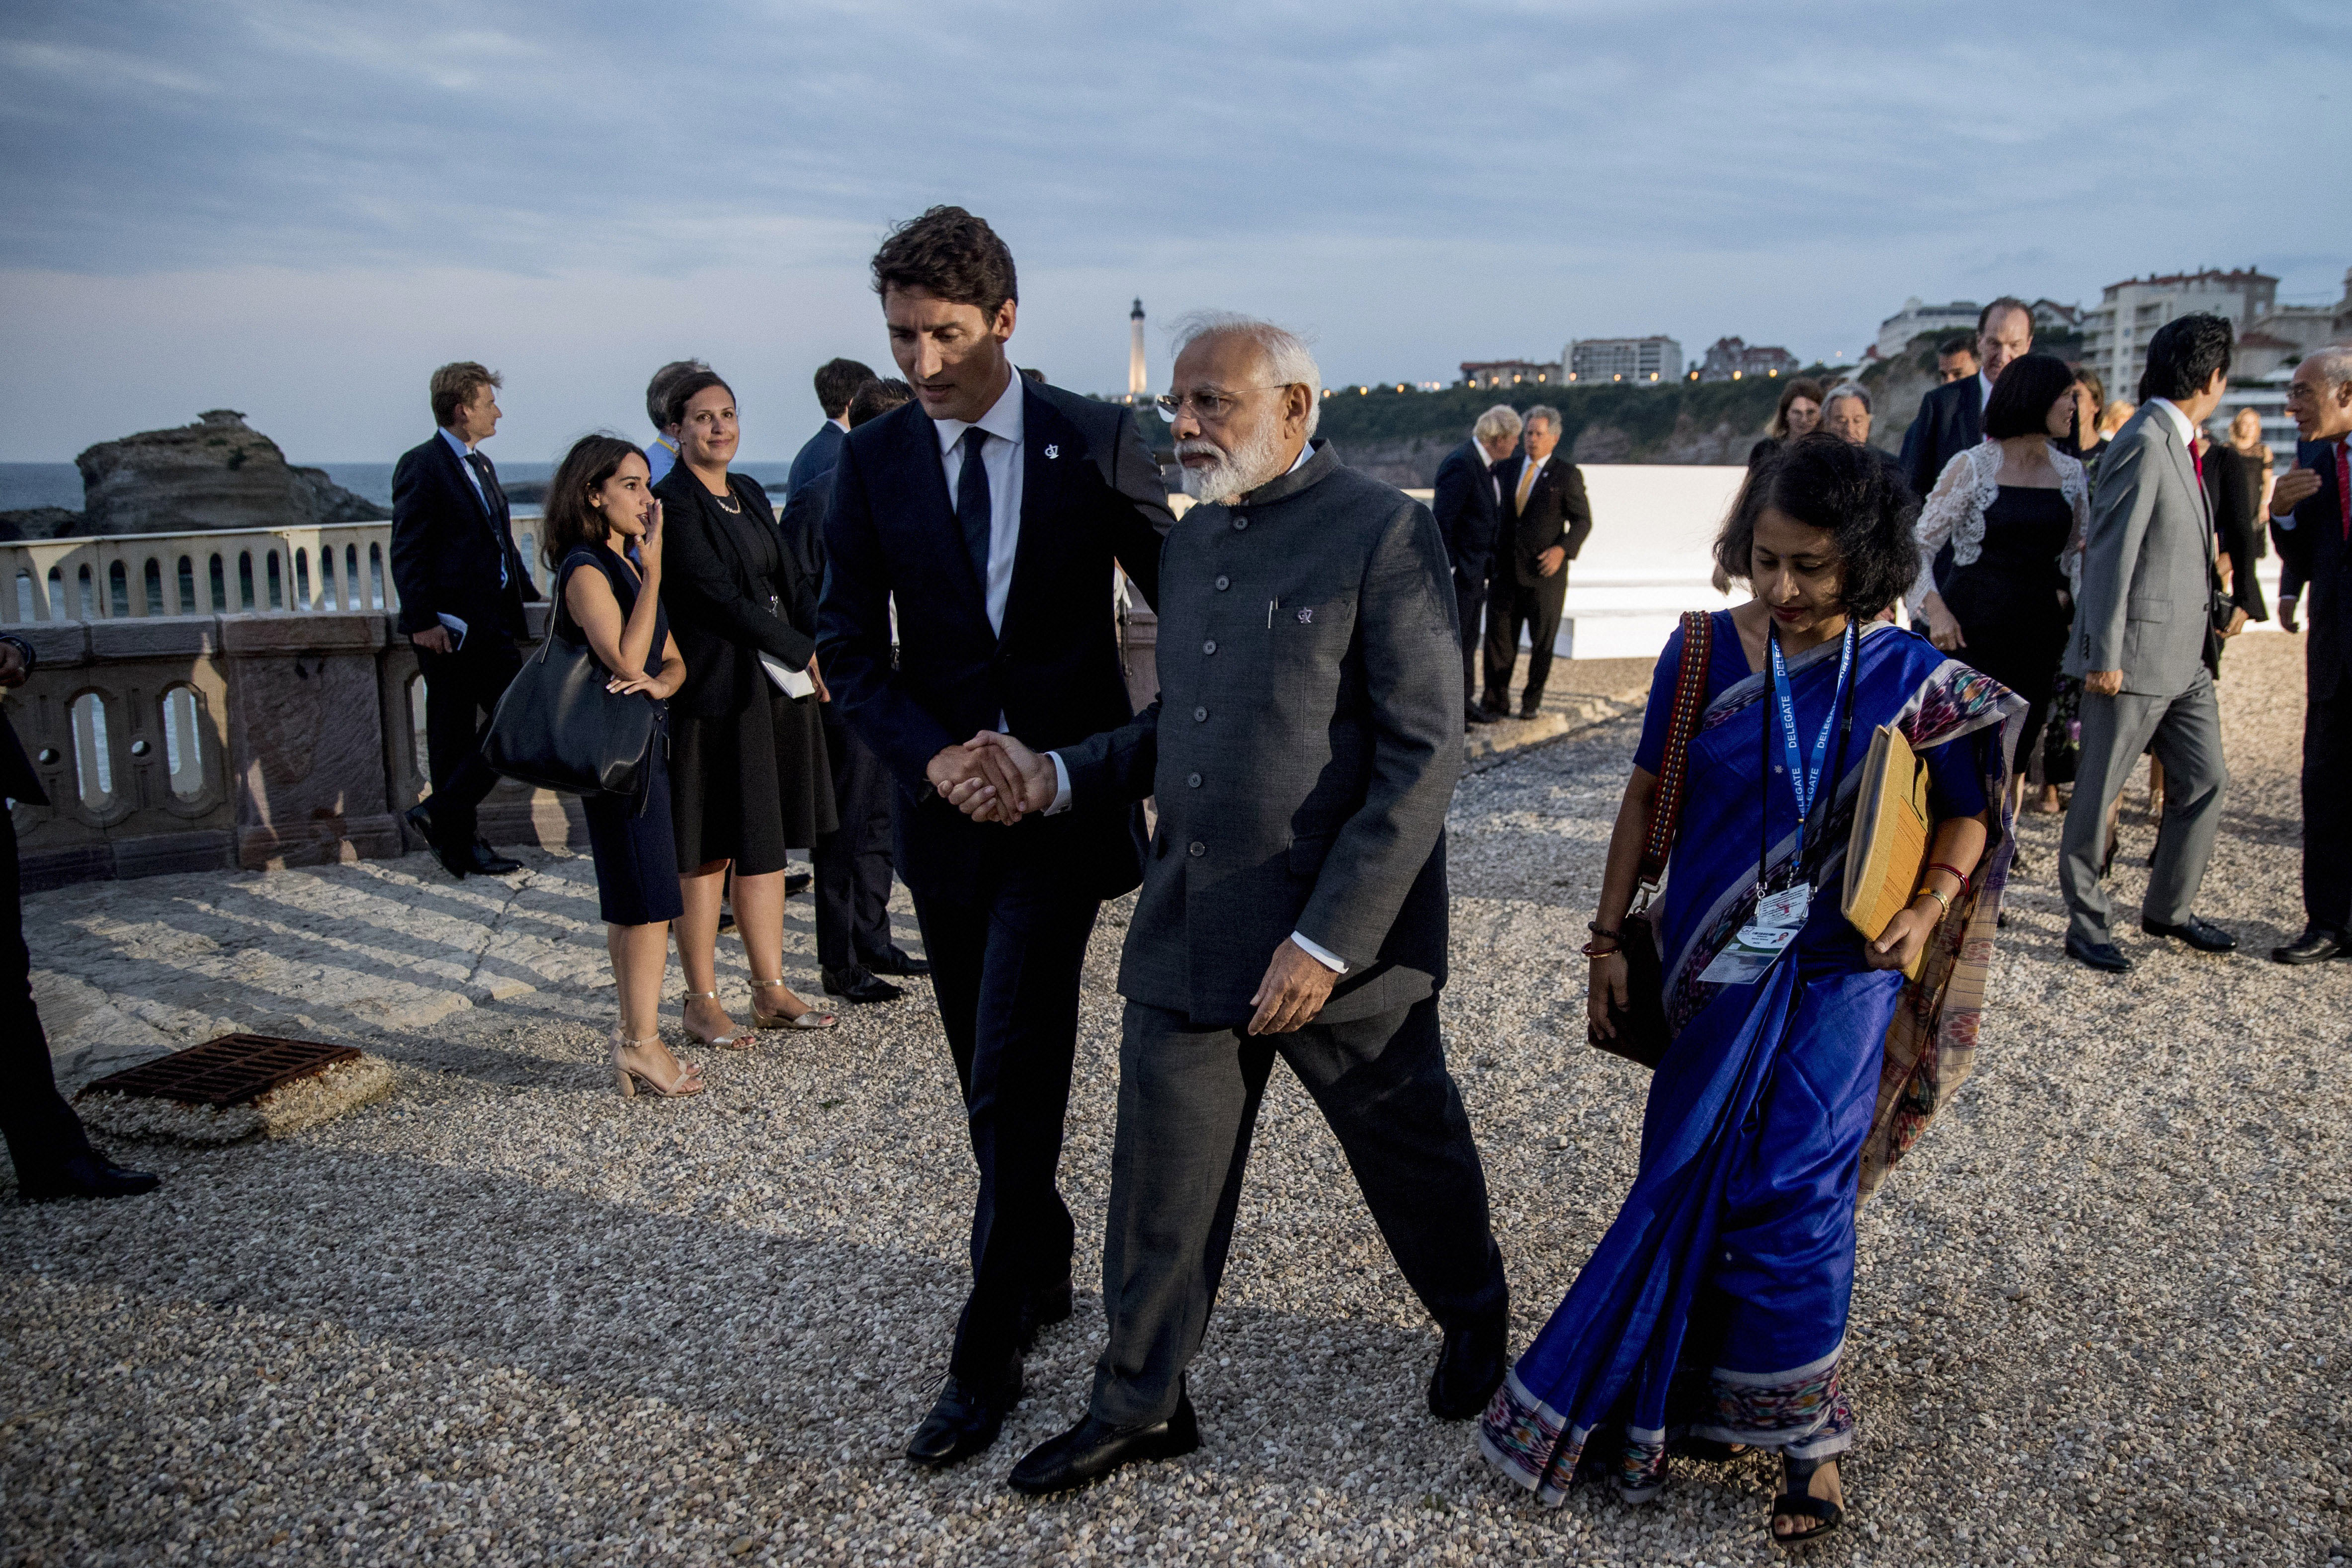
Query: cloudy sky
point(298, 209)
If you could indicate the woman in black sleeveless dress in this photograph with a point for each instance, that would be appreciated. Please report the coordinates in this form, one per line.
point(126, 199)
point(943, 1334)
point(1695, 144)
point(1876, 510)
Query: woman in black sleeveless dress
point(748, 771)
point(602, 603)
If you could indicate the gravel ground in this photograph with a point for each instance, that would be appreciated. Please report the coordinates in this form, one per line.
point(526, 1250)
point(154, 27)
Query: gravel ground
point(506, 1317)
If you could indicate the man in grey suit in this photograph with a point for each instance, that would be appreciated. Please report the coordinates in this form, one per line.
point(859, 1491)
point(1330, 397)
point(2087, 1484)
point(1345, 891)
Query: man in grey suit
point(1303, 750)
point(2142, 627)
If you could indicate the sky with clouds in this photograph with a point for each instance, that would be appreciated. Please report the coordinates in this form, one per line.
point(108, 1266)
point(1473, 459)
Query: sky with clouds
point(298, 209)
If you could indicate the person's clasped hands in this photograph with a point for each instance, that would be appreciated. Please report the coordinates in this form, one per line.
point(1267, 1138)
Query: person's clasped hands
point(993, 778)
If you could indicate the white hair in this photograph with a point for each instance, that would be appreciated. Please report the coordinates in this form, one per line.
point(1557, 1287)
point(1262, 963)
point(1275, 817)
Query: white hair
point(1286, 358)
point(1846, 389)
point(2333, 364)
point(1546, 412)
point(1500, 420)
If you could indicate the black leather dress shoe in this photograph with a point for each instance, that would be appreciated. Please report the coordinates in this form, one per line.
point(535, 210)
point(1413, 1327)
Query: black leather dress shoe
point(87, 1175)
point(484, 860)
point(1092, 1449)
point(965, 1419)
point(1529, 709)
point(898, 961)
point(2200, 933)
point(419, 817)
point(2316, 945)
point(2103, 956)
point(798, 882)
point(858, 986)
point(1044, 1306)
point(1475, 715)
point(1469, 1370)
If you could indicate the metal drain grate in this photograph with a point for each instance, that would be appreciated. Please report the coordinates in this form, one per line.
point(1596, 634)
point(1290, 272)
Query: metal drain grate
point(225, 1072)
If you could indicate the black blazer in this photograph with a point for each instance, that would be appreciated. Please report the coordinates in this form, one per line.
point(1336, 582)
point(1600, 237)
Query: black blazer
point(2315, 551)
point(716, 597)
point(1951, 421)
point(1090, 493)
point(2237, 532)
point(1557, 514)
point(816, 457)
point(1469, 517)
point(446, 546)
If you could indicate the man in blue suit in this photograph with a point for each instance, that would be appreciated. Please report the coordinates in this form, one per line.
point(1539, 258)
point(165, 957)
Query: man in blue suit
point(837, 382)
point(2311, 513)
point(1469, 507)
point(462, 587)
point(990, 510)
point(1951, 416)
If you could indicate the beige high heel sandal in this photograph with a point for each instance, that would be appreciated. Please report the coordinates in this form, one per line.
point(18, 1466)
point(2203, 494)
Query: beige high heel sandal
point(744, 1042)
point(687, 1082)
point(807, 1018)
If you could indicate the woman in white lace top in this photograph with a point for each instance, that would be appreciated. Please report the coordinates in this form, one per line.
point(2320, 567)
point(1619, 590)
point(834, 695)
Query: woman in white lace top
point(2014, 511)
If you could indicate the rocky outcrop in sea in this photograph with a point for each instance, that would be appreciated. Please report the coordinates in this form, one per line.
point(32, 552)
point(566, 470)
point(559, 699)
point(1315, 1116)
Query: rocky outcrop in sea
point(217, 472)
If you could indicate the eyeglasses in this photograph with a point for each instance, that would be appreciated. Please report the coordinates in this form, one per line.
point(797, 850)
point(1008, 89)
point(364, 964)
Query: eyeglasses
point(1209, 405)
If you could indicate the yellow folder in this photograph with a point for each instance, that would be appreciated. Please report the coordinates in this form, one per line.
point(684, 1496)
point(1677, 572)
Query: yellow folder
point(1891, 830)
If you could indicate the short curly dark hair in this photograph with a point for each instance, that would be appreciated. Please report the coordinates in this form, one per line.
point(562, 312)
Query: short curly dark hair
point(951, 254)
point(1824, 481)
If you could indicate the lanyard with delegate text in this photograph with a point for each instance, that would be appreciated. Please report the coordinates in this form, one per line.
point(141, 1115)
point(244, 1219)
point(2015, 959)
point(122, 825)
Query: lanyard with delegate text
point(1806, 782)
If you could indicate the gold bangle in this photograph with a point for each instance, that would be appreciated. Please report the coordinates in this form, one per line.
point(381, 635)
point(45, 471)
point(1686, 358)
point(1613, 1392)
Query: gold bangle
point(1938, 896)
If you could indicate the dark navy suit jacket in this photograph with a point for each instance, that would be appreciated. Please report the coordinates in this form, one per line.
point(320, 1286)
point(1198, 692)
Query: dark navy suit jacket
point(1951, 421)
point(2315, 547)
point(1468, 516)
point(1090, 494)
point(447, 545)
point(817, 454)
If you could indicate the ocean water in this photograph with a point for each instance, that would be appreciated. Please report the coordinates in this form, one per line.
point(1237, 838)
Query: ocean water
point(24, 485)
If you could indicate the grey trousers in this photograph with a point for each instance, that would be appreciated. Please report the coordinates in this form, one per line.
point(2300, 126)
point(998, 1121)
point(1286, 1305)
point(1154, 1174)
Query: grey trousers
point(2187, 732)
point(1188, 1101)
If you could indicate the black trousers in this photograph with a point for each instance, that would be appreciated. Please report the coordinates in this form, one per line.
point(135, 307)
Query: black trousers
point(1512, 607)
point(2326, 820)
point(1188, 1101)
point(461, 691)
point(1470, 599)
point(853, 862)
point(1006, 970)
point(42, 1129)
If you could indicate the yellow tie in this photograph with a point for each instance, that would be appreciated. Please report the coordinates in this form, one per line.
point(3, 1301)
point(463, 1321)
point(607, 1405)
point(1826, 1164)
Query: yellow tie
point(1527, 483)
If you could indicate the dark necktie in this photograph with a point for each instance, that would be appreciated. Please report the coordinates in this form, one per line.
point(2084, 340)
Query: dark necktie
point(493, 502)
point(971, 505)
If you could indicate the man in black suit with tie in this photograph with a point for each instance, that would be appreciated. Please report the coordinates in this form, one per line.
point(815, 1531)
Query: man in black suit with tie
point(2311, 513)
point(462, 587)
point(837, 382)
point(1469, 509)
point(1951, 417)
point(991, 510)
point(1546, 517)
point(45, 1141)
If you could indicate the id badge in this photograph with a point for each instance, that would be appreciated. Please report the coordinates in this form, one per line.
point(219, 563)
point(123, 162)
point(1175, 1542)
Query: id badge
point(1787, 907)
point(1778, 918)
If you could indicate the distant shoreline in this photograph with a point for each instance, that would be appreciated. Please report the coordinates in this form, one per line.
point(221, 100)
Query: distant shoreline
point(24, 485)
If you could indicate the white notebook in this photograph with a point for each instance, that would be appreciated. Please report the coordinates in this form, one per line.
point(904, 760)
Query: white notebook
point(792, 682)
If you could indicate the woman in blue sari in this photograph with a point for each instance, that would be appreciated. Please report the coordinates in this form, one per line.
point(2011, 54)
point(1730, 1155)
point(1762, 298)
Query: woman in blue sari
point(1712, 1315)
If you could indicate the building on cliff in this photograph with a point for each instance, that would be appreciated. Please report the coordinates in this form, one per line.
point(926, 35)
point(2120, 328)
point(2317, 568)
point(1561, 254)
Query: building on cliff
point(1485, 373)
point(2115, 333)
point(1643, 360)
point(1732, 360)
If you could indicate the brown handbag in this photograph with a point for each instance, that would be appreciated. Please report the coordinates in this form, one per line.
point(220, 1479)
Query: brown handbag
point(1642, 1035)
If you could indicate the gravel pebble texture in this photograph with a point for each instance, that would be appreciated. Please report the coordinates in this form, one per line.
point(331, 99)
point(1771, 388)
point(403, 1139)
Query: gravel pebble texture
point(506, 1317)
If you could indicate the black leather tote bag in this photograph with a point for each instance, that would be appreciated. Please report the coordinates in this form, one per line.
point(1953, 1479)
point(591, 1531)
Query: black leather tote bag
point(558, 728)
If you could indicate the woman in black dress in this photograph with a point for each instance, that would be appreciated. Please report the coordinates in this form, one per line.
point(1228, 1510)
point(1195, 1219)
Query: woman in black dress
point(748, 774)
point(2014, 510)
point(599, 497)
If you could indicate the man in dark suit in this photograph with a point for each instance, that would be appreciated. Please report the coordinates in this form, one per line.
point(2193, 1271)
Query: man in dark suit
point(837, 382)
point(1469, 509)
point(2311, 513)
point(992, 510)
point(1951, 416)
point(45, 1141)
point(1294, 902)
point(853, 947)
point(1546, 517)
point(462, 587)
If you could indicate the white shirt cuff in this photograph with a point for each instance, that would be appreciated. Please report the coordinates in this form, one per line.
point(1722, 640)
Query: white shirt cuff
point(1061, 786)
point(1321, 955)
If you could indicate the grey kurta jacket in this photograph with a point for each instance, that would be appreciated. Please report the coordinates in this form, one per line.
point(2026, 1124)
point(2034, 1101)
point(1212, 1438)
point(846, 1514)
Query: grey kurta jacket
point(2148, 563)
point(1303, 748)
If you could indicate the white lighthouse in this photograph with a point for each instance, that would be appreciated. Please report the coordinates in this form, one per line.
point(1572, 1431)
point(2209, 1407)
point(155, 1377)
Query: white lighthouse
point(1136, 386)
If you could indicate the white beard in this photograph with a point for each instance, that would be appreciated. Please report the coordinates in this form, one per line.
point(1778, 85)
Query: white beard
point(1254, 461)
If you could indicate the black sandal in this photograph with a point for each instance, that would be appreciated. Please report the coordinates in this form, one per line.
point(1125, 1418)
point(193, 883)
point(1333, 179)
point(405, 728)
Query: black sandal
point(1797, 1502)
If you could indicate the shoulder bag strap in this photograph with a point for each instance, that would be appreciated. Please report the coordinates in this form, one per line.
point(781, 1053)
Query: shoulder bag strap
point(1674, 774)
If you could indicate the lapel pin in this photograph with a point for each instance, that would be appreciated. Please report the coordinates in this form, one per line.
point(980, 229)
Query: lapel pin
point(1053, 450)
point(1306, 617)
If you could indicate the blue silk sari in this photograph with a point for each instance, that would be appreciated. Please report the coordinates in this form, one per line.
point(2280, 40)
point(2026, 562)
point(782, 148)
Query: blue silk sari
point(1716, 1304)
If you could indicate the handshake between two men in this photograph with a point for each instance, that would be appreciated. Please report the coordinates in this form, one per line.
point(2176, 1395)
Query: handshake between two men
point(993, 778)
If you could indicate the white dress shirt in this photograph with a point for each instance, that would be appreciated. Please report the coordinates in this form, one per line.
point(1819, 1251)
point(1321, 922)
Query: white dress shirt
point(1984, 393)
point(1001, 458)
point(2177, 420)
